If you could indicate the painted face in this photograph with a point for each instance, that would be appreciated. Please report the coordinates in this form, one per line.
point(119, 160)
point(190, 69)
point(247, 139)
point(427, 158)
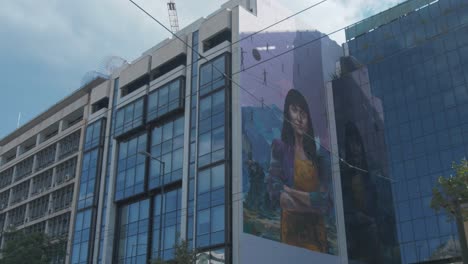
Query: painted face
point(298, 118)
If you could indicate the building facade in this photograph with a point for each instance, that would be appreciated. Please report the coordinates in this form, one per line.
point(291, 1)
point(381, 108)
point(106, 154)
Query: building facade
point(200, 148)
point(254, 143)
point(416, 56)
point(40, 168)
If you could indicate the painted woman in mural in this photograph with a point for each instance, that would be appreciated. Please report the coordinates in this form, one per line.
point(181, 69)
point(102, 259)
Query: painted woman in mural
point(294, 183)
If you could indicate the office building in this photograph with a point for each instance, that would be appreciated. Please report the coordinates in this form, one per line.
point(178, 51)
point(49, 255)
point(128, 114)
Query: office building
point(257, 144)
point(416, 55)
point(219, 142)
point(40, 168)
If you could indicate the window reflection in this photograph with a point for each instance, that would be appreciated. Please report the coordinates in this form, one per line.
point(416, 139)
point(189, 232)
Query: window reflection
point(210, 206)
point(167, 217)
point(130, 167)
point(167, 146)
point(133, 233)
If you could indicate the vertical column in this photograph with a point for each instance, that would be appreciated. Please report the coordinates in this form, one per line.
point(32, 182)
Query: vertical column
point(336, 176)
point(26, 214)
point(10, 196)
point(111, 211)
point(75, 195)
point(186, 162)
point(31, 183)
point(61, 125)
point(38, 139)
point(18, 151)
point(236, 134)
point(34, 165)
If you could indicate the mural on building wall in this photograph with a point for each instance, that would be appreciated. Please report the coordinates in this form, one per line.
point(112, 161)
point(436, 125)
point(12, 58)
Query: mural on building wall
point(287, 181)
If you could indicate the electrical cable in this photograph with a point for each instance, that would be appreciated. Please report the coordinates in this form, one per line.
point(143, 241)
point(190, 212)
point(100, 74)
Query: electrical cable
point(345, 73)
point(245, 90)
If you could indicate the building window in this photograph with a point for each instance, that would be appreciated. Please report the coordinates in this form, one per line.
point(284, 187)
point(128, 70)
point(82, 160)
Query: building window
point(2, 221)
point(212, 75)
point(6, 177)
point(210, 206)
point(102, 103)
point(135, 85)
point(166, 99)
point(89, 171)
point(59, 225)
point(24, 168)
point(211, 140)
point(94, 135)
point(166, 224)
point(81, 237)
point(218, 38)
point(167, 145)
point(20, 192)
point(65, 171)
point(36, 228)
point(69, 145)
point(38, 207)
point(16, 216)
point(4, 197)
point(130, 167)
point(42, 182)
point(133, 233)
point(46, 157)
point(177, 61)
point(129, 117)
point(62, 198)
point(212, 256)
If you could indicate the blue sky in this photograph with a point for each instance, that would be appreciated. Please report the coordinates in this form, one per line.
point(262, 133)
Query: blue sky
point(48, 46)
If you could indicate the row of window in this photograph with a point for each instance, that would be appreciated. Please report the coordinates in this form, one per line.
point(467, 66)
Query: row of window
point(45, 158)
point(89, 169)
point(94, 135)
point(40, 183)
point(414, 28)
point(82, 237)
point(37, 208)
point(166, 147)
point(57, 226)
point(161, 102)
point(82, 244)
point(162, 215)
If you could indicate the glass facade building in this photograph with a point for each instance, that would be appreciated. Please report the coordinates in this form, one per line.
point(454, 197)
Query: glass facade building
point(147, 191)
point(258, 142)
point(418, 68)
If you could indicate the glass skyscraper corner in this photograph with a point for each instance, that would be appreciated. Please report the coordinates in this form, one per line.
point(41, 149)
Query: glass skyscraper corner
point(417, 64)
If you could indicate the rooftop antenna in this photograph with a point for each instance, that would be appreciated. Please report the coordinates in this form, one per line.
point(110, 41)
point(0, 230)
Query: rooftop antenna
point(19, 118)
point(173, 19)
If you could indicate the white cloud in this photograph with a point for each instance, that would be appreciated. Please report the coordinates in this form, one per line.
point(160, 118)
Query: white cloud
point(65, 33)
point(59, 41)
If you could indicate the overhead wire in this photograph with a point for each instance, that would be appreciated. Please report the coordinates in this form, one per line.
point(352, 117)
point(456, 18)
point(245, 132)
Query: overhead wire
point(245, 90)
point(302, 45)
point(218, 49)
point(396, 53)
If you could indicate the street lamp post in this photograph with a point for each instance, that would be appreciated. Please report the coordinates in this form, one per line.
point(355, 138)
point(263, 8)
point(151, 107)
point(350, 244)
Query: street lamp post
point(161, 184)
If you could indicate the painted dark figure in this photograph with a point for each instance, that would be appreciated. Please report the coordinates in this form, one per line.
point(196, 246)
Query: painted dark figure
point(359, 198)
point(256, 196)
